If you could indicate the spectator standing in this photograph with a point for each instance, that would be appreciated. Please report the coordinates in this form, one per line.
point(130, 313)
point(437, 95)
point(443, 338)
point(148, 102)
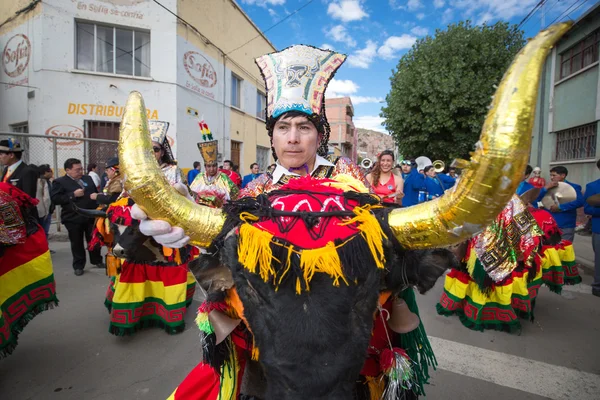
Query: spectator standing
point(193, 172)
point(591, 189)
point(45, 208)
point(228, 170)
point(92, 171)
point(254, 173)
point(564, 214)
point(75, 189)
point(17, 172)
point(386, 185)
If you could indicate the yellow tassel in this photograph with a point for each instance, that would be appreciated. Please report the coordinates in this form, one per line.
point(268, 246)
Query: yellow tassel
point(325, 260)
point(371, 232)
point(254, 249)
point(247, 217)
point(255, 352)
point(376, 387)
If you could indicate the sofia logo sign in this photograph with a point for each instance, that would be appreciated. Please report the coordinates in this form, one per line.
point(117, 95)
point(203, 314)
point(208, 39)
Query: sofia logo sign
point(67, 134)
point(200, 69)
point(16, 55)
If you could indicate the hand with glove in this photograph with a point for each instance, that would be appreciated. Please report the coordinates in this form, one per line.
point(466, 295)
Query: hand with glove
point(169, 236)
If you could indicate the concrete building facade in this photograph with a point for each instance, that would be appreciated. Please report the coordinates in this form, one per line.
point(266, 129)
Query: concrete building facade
point(342, 140)
point(68, 67)
point(568, 112)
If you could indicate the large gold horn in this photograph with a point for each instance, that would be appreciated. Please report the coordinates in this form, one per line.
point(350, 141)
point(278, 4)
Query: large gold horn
point(148, 186)
point(496, 167)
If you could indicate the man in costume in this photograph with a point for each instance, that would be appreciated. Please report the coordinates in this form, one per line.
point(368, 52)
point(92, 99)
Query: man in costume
point(309, 258)
point(212, 187)
point(16, 172)
point(27, 285)
point(114, 187)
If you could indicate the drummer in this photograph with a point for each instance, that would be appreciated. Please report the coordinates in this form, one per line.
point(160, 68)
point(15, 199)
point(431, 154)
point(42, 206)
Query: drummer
point(565, 213)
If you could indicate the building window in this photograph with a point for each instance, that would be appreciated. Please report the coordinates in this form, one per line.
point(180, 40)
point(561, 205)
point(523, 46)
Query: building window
point(236, 151)
point(576, 143)
point(99, 152)
point(261, 105)
point(112, 50)
point(583, 53)
point(236, 91)
point(20, 128)
point(262, 157)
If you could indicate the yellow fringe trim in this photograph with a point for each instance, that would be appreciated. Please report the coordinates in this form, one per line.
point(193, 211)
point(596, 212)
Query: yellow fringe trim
point(324, 260)
point(255, 352)
point(254, 249)
point(376, 386)
point(371, 232)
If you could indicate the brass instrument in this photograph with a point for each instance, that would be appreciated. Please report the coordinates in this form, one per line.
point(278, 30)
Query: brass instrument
point(366, 163)
point(439, 166)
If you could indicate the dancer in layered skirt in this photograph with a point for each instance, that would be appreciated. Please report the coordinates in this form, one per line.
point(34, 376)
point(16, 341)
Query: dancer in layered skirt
point(27, 285)
point(528, 245)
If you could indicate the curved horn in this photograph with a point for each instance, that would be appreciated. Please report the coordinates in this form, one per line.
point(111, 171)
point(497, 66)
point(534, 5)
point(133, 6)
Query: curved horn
point(148, 186)
point(89, 213)
point(496, 166)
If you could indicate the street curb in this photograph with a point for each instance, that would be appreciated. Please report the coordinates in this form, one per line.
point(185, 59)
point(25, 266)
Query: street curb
point(586, 265)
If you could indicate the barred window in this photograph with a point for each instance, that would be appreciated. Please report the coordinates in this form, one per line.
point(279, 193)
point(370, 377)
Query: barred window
point(576, 143)
point(583, 53)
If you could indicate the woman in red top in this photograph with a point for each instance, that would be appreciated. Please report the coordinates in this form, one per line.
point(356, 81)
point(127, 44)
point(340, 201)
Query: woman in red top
point(385, 184)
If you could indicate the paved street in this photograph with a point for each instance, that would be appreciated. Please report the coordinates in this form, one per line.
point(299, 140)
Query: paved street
point(68, 354)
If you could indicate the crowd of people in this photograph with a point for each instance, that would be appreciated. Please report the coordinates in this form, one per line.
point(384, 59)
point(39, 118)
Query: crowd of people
point(311, 222)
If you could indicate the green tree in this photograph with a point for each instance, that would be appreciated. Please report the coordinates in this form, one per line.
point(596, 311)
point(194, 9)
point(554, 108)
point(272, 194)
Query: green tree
point(442, 88)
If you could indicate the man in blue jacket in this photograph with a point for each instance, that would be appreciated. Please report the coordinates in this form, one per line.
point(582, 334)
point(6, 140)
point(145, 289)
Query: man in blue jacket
point(524, 186)
point(414, 182)
point(436, 184)
point(564, 214)
point(591, 189)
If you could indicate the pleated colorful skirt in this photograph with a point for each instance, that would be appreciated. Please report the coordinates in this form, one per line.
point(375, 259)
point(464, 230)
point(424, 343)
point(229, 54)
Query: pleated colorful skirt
point(27, 287)
point(501, 306)
point(145, 295)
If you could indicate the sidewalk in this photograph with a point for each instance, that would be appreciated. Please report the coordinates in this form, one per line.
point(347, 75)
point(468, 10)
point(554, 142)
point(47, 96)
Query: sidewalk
point(584, 252)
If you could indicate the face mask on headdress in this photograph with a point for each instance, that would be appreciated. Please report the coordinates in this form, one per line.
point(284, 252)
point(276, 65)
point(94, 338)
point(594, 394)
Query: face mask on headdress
point(296, 79)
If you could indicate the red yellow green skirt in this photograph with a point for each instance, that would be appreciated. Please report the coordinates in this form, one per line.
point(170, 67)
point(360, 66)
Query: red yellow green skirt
point(501, 307)
point(149, 295)
point(27, 287)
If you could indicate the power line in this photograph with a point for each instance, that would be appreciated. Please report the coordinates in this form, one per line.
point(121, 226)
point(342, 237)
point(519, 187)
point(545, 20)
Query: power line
point(567, 13)
point(533, 11)
point(274, 25)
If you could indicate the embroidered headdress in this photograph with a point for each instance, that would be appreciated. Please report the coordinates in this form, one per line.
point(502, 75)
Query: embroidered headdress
point(208, 147)
point(296, 79)
point(158, 133)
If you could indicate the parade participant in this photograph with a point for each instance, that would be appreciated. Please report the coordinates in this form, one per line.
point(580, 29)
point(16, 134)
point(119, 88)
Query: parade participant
point(565, 214)
point(385, 184)
point(273, 265)
point(193, 172)
point(254, 173)
point(231, 174)
point(163, 153)
point(27, 285)
point(114, 187)
point(414, 182)
point(153, 286)
point(537, 180)
point(212, 187)
point(17, 173)
point(492, 292)
point(593, 209)
point(436, 184)
point(524, 186)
